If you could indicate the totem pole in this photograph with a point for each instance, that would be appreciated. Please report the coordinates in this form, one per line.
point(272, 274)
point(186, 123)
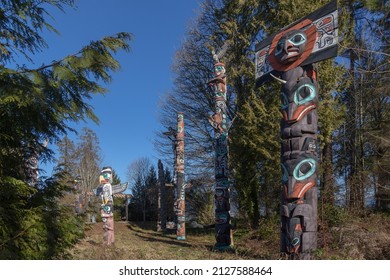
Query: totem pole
point(288, 57)
point(162, 200)
point(106, 191)
point(223, 232)
point(180, 181)
point(105, 180)
point(78, 196)
point(33, 163)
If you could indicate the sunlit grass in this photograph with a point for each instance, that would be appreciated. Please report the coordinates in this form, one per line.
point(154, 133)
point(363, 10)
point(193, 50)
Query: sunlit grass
point(353, 238)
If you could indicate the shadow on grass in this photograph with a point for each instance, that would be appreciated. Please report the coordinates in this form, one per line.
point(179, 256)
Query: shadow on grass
point(149, 232)
point(145, 231)
point(170, 242)
point(169, 237)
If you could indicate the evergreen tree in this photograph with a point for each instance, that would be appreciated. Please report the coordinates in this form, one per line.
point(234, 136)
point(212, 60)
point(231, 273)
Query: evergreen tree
point(167, 175)
point(256, 157)
point(137, 201)
point(152, 191)
point(170, 195)
point(362, 152)
point(38, 106)
point(115, 178)
point(143, 182)
point(200, 202)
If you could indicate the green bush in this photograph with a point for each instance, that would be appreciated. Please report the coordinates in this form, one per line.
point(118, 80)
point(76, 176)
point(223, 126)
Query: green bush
point(33, 223)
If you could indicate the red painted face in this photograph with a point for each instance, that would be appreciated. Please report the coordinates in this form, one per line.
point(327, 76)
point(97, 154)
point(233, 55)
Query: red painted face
point(291, 47)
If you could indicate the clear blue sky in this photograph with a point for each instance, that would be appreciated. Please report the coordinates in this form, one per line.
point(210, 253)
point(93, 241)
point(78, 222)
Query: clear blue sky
point(129, 112)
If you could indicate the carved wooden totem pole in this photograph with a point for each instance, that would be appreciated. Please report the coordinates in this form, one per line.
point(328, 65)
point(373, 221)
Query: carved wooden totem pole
point(288, 56)
point(106, 192)
point(105, 180)
point(221, 196)
point(162, 199)
point(180, 180)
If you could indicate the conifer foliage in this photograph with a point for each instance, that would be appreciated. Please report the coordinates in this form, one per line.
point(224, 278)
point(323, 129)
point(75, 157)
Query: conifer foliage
point(37, 106)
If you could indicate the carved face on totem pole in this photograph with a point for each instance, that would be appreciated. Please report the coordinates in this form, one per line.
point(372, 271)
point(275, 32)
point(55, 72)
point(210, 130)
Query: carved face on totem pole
point(105, 175)
point(221, 198)
point(219, 69)
point(107, 209)
point(298, 99)
point(311, 39)
point(299, 175)
point(105, 179)
point(298, 129)
point(288, 57)
point(290, 46)
point(180, 143)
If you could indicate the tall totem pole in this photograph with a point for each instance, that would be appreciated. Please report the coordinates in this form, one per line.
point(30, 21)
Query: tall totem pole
point(107, 207)
point(223, 232)
point(180, 180)
point(288, 56)
point(106, 192)
point(162, 199)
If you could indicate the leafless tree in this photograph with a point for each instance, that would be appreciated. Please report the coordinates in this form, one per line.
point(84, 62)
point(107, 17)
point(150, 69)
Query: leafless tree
point(89, 160)
point(193, 67)
point(138, 170)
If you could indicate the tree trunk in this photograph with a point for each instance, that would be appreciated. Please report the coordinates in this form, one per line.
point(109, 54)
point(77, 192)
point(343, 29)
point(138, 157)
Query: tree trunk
point(327, 176)
point(255, 208)
point(356, 186)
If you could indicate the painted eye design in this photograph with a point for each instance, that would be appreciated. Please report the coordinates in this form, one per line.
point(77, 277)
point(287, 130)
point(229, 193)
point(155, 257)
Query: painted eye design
point(279, 47)
point(304, 94)
point(295, 241)
point(219, 69)
point(285, 174)
point(305, 169)
point(284, 101)
point(298, 39)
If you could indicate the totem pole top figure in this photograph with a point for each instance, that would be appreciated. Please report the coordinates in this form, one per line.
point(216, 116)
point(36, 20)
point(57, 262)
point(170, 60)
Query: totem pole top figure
point(308, 40)
point(105, 175)
point(219, 69)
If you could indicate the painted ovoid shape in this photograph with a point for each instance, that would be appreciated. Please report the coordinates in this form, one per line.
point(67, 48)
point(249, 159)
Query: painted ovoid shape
point(288, 56)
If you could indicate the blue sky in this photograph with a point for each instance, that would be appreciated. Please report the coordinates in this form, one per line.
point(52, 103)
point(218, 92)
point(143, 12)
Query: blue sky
point(129, 112)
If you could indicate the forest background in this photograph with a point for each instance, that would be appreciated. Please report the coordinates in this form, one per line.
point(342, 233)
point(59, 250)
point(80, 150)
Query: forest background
point(37, 217)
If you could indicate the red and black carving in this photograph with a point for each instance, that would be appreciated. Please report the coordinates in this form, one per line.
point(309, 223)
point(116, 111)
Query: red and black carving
point(309, 40)
point(288, 57)
point(221, 195)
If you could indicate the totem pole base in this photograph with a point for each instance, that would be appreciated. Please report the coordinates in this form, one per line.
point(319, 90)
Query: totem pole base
point(223, 248)
point(298, 256)
point(109, 236)
point(181, 238)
